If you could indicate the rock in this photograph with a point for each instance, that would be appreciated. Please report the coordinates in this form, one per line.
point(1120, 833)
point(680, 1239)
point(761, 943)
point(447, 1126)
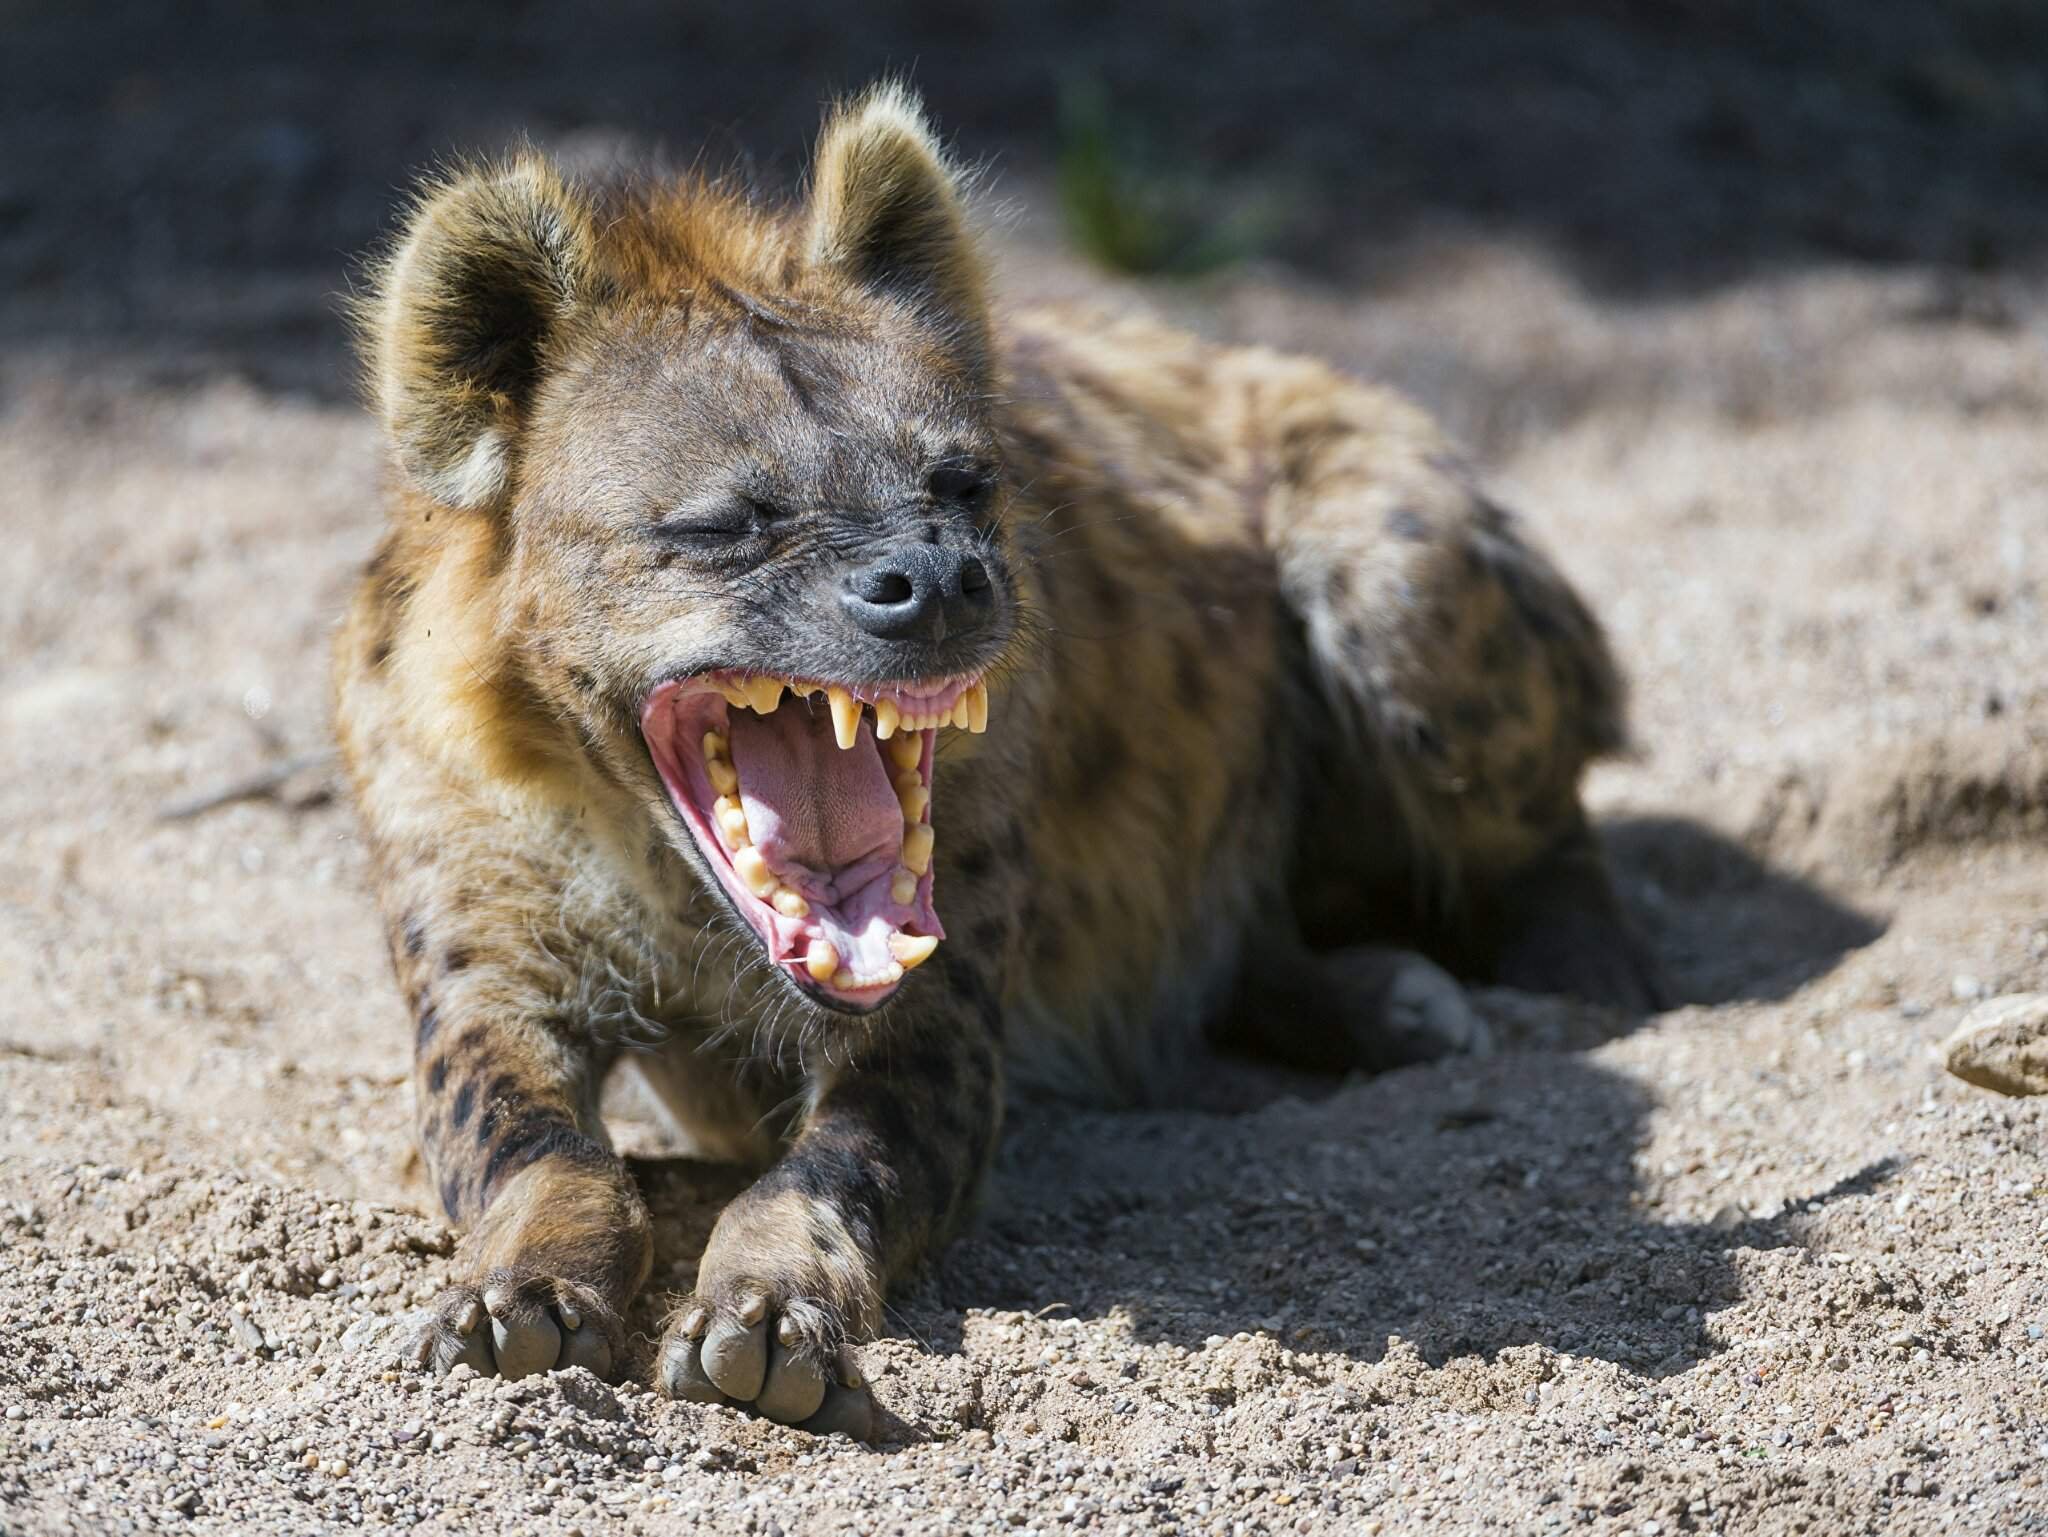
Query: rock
point(2002, 1045)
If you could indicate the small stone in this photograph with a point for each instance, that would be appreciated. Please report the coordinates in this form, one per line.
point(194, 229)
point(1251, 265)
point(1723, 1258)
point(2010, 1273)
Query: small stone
point(2002, 1045)
point(1966, 988)
point(16, 1412)
point(329, 1279)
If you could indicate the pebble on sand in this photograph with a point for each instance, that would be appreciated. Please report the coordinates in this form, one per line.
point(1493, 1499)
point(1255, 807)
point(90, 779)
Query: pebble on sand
point(2002, 1045)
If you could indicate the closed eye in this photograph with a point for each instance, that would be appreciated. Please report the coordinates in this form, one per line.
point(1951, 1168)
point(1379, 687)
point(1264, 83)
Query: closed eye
point(965, 485)
point(724, 524)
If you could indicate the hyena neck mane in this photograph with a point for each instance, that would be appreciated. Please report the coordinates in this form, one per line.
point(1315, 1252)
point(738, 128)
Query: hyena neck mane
point(706, 515)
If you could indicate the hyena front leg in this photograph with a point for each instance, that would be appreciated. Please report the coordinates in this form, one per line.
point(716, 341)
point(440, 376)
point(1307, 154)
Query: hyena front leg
point(507, 1078)
point(885, 1165)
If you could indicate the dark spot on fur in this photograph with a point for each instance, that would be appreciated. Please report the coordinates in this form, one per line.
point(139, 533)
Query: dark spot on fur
point(583, 680)
point(451, 1196)
point(457, 959)
point(1500, 647)
point(1190, 674)
point(380, 653)
point(465, 1105)
point(535, 1136)
point(499, 1103)
point(414, 934)
point(1337, 586)
point(1110, 594)
point(1101, 755)
point(473, 1042)
point(1406, 523)
point(429, 1024)
point(1474, 717)
point(437, 1076)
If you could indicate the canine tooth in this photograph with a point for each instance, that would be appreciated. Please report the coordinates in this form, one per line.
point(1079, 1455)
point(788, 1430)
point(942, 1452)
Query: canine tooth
point(977, 708)
point(887, 717)
point(715, 745)
point(821, 960)
point(845, 717)
point(752, 866)
point(763, 695)
point(913, 950)
point(903, 888)
point(907, 750)
point(917, 848)
point(913, 801)
point(724, 777)
point(790, 903)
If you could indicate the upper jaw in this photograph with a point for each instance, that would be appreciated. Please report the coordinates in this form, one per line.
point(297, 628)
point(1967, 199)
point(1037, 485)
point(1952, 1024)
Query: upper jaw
point(850, 941)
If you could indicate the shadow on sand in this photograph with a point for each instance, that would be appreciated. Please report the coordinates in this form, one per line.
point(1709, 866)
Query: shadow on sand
point(1464, 1208)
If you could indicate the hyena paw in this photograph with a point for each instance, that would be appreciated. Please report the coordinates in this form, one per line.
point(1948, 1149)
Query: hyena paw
point(515, 1322)
point(1428, 1009)
point(785, 1356)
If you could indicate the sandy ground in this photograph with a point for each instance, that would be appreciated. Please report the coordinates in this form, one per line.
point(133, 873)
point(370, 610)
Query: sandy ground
point(1755, 1266)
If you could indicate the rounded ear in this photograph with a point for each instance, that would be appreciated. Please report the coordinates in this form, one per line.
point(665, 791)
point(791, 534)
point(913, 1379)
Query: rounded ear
point(886, 212)
point(457, 324)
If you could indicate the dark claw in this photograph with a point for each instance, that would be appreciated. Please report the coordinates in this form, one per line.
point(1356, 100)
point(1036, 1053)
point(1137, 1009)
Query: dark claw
point(682, 1374)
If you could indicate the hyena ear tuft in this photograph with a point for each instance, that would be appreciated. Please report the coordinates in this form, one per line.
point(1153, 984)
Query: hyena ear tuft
point(455, 332)
point(886, 211)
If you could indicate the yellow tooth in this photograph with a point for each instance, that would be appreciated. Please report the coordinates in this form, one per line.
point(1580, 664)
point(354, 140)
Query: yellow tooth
point(821, 960)
point(977, 708)
point(803, 690)
point(960, 716)
point(908, 779)
point(790, 903)
point(913, 801)
point(732, 821)
point(886, 718)
point(845, 981)
point(907, 750)
point(913, 950)
point(752, 866)
point(733, 696)
point(903, 887)
point(845, 717)
point(917, 847)
point(763, 695)
point(724, 778)
point(715, 745)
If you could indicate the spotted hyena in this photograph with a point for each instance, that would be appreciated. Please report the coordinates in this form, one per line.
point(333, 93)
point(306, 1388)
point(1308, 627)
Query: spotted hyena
point(839, 698)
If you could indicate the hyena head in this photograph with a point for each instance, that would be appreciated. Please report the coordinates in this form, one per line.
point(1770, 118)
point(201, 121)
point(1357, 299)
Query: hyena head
point(734, 502)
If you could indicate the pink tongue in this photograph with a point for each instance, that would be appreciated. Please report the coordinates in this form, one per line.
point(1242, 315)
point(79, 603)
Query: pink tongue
point(808, 804)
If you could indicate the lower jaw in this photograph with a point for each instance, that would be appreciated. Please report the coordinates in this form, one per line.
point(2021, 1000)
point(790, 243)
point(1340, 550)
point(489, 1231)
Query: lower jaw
point(897, 927)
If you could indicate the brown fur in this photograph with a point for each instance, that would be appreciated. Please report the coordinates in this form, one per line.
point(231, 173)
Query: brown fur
point(1271, 681)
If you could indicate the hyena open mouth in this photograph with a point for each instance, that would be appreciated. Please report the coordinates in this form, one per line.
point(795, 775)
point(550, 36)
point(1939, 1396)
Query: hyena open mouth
point(815, 813)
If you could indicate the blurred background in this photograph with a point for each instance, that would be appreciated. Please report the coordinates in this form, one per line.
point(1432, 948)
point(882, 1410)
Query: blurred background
point(188, 181)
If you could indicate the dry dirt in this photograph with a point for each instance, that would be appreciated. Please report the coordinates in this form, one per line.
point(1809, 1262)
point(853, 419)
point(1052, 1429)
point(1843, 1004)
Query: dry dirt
point(1754, 1266)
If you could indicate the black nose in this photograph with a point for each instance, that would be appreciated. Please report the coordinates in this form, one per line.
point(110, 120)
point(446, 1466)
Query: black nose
point(919, 592)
